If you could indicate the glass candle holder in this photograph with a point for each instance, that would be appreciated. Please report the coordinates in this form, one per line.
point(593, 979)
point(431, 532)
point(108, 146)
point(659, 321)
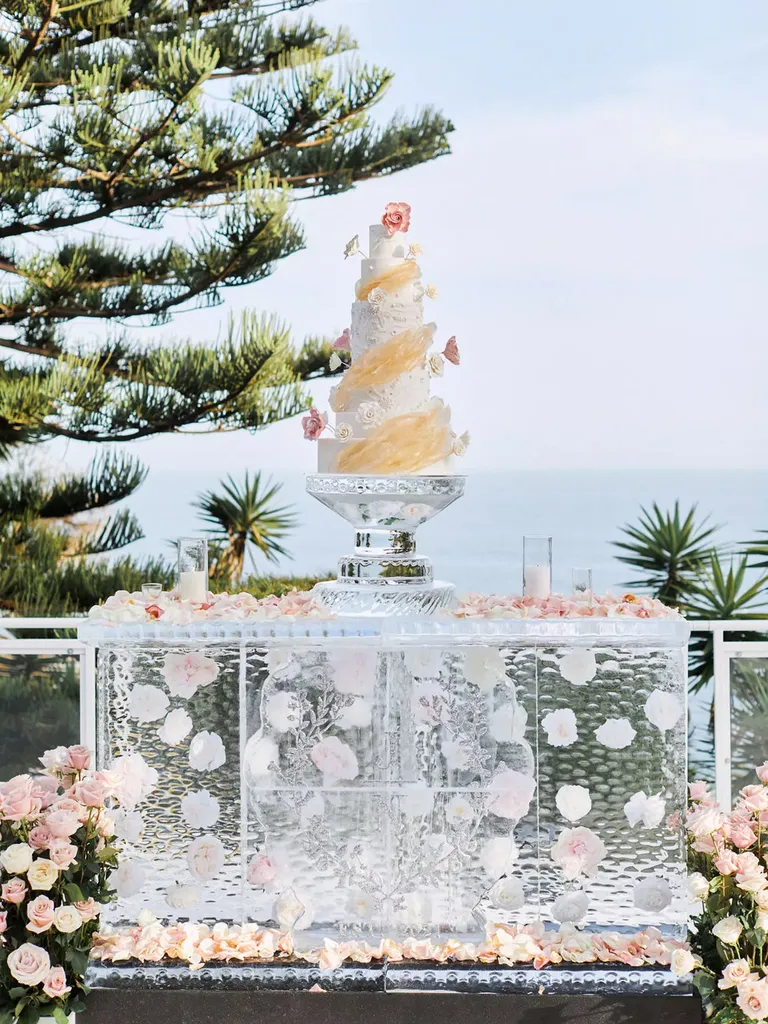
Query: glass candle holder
point(582, 584)
point(193, 568)
point(151, 591)
point(537, 566)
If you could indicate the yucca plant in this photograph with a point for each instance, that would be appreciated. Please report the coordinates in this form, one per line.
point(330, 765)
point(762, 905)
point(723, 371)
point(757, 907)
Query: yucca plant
point(244, 520)
point(668, 550)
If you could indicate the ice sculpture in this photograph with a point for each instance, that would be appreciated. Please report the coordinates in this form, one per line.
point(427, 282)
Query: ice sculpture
point(400, 778)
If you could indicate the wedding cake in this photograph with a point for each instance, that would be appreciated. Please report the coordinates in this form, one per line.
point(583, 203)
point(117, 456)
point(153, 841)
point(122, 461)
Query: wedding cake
point(385, 420)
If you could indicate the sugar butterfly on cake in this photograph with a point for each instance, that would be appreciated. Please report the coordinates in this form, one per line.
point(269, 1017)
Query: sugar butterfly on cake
point(385, 419)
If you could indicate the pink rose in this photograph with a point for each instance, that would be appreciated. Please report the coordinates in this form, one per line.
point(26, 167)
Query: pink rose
point(741, 835)
point(727, 863)
point(698, 791)
point(88, 910)
point(79, 757)
point(314, 424)
point(55, 985)
point(62, 824)
point(3, 920)
point(40, 837)
point(261, 871)
point(185, 672)
point(578, 851)
point(91, 792)
point(510, 794)
point(19, 799)
point(29, 964)
point(750, 875)
point(343, 341)
point(762, 772)
point(705, 820)
point(14, 891)
point(46, 788)
point(397, 217)
point(451, 351)
point(40, 913)
point(68, 803)
point(335, 759)
point(755, 798)
point(62, 853)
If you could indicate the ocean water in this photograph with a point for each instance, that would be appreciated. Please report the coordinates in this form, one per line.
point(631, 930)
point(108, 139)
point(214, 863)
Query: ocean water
point(477, 542)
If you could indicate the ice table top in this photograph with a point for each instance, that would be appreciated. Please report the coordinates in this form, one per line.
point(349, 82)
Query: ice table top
point(398, 631)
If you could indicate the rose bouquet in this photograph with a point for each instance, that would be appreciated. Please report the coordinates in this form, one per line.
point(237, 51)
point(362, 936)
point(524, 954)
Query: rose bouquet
point(728, 857)
point(55, 860)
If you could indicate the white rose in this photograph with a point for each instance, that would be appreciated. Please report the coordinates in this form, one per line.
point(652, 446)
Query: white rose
point(176, 727)
point(147, 703)
point(206, 752)
point(498, 855)
point(578, 667)
point(698, 886)
point(652, 895)
point(560, 726)
point(728, 930)
point(508, 894)
point(129, 878)
point(42, 874)
point(293, 911)
point(683, 962)
point(200, 810)
point(136, 780)
point(66, 920)
point(16, 859)
point(663, 710)
point(615, 733)
point(573, 802)
point(570, 908)
point(485, 668)
point(507, 723)
point(29, 964)
point(128, 824)
point(260, 753)
point(205, 857)
point(459, 810)
point(182, 897)
point(281, 710)
point(578, 851)
point(648, 809)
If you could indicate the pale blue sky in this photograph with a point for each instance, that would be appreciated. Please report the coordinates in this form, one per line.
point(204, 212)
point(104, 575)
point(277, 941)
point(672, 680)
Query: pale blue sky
point(599, 237)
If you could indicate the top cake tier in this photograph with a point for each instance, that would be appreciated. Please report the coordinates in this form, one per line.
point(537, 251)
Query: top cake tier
point(385, 420)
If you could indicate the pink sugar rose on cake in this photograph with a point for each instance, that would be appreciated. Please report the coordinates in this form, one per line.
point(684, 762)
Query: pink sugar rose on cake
point(397, 217)
point(313, 425)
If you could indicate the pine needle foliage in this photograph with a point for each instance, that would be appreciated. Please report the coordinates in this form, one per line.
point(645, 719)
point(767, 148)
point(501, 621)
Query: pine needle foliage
point(149, 152)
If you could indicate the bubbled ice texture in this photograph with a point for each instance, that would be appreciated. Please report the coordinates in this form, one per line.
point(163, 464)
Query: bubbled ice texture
point(396, 790)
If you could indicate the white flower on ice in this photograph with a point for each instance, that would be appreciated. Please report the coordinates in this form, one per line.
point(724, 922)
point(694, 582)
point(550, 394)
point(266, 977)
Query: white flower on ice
point(136, 780)
point(698, 885)
point(281, 710)
point(435, 364)
point(335, 759)
point(361, 904)
point(334, 362)
point(311, 809)
point(652, 895)
point(417, 800)
point(370, 414)
point(560, 726)
point(424, 661)
point(356, 715)
point(461, 444)
point(508, 894)
point(455, 753)
point(205, 857)
point(615, 733)
point(728, 930)
point(648, 809)
point(573, 802)
point(200, 809)
point(578, 667)
point(458, 810)
point(485, 667)
point(293, 911)
point(498, 855)
point(570, 908)
point(510, 793)
point(128, 824)
point(507, 723)
point(185, 672)
point(128, 878)
point(354, 671)
point(206, 752)
point(663, 710)
point(281, 662)
point(147, 703)
point(176, 727)
point(578, 851)
point(260, 753)
point(352, 248)
point(182, 897)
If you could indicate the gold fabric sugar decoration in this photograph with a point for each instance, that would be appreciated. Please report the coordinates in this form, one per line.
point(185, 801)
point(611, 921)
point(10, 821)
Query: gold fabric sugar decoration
point(389, 280)
point(385, 362)
point(403, 444)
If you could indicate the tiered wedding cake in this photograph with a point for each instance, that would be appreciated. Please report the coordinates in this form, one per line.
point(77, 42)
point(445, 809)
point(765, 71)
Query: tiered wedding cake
point(386, 422)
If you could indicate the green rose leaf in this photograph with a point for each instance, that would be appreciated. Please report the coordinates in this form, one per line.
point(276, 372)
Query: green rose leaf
point(60, 1016)
point(74, 892)
point(17, 993)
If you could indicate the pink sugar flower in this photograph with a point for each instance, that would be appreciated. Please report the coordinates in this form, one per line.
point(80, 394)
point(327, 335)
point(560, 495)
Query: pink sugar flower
point(314, 424)
point(343, 341)
point(451, 351)
point(397, 217)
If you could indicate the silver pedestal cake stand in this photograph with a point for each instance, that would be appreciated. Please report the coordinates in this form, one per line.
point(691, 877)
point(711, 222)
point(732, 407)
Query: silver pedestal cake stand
point(384, 575)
